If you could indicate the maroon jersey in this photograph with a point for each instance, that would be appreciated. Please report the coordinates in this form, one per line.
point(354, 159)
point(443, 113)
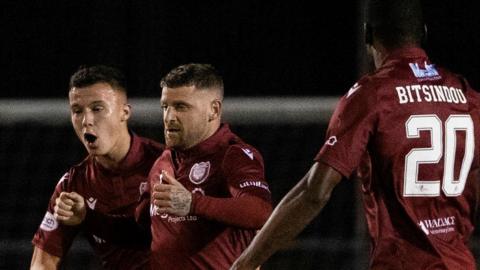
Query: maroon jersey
point(420, 126)
point(109, 195)
point(224, 174)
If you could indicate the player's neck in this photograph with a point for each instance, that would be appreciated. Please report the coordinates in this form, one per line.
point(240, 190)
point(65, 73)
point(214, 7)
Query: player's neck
point(114, 158)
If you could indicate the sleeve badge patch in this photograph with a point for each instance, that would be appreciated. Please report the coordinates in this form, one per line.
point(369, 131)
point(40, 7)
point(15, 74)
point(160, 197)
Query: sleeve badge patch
point(49, 223)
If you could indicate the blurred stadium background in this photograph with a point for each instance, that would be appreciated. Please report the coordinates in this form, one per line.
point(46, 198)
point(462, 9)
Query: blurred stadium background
point(284, 64)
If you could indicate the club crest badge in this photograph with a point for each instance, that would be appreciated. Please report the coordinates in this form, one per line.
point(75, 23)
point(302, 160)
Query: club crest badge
point(199, 172)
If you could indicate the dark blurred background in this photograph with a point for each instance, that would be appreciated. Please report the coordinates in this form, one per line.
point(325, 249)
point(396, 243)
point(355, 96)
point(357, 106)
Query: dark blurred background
point(262, 49)
point(282, 48)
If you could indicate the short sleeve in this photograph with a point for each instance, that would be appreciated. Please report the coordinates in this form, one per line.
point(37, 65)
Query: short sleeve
point(51, 236)
point(350, 129)
point(244, 170)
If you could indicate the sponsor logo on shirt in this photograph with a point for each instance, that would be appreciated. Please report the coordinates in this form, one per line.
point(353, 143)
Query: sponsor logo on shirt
point(332, 140)
point(154, 211)
point(169, 218)
point(91, 202)
point(428, 72)
point(199, 172)
point(248, 152)
point(175, 219)
point(49, 223)
point(437, 225)
point(250, 183)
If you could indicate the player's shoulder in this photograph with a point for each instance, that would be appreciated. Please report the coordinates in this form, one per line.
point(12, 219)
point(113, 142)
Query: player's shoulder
point(473, 96)
point(472, 93)
point(234, 147)
point(73, 174)
point(151, 145)
point(361, 91)
point(241, 151)
point(373, 81)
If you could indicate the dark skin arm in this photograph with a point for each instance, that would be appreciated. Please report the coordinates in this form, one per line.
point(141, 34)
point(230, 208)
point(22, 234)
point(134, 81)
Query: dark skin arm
point(296, 210)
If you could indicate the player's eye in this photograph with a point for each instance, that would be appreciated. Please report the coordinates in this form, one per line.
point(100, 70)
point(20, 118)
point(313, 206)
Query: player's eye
point(97, 108)
point(76, 111)
point(181, 107)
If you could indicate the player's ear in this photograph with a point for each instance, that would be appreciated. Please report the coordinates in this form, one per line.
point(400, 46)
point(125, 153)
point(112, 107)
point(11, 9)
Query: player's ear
point(126, 112)
point(215, 110)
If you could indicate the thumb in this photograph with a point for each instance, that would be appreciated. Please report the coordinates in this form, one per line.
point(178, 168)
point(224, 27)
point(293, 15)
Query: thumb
point(167, 178)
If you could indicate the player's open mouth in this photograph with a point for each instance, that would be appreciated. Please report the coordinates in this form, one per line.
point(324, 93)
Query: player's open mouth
point(172, 130)
point(90, 138)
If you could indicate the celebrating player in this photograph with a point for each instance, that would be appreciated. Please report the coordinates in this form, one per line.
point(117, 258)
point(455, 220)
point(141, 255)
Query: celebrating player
point(419, 125)
point(106, 185)
point(208, 193)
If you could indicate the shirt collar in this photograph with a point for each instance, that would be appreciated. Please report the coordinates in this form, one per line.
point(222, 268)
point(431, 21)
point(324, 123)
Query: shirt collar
point(208, 146)
point(405, 52)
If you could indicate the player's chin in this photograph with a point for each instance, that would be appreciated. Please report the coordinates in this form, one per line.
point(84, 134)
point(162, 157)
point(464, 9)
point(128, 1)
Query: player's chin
point(94, 150)
point(172, 142)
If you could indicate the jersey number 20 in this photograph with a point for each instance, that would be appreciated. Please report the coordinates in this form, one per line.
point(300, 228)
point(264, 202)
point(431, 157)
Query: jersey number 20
point(414, 187)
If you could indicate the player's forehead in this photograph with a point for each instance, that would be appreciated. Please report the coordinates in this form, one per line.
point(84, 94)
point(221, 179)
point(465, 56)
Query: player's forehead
point(96, 93)
point(178, 94)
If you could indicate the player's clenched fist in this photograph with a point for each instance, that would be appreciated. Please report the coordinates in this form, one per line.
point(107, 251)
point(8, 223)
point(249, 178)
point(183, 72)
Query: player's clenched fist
point(171, 197)
point(70, 208)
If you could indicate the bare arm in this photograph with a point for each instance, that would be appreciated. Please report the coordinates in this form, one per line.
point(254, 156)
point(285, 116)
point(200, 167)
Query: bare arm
point(42, 260)
point(292, 215)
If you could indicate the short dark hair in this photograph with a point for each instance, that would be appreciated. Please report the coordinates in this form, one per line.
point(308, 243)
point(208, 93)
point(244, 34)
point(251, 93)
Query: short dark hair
point(202, 76)
point(395, 22)
point(90, 75)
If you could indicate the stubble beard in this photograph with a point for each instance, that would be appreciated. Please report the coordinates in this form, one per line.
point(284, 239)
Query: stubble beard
point(174, 141)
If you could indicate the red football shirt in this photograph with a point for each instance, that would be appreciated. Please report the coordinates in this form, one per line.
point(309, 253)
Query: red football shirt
point(420, 126)
point(108, 195)
point(224, 174)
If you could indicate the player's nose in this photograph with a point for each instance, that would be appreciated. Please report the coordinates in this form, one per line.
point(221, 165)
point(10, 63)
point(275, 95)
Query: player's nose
point(169, 115)
point(87, 119)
